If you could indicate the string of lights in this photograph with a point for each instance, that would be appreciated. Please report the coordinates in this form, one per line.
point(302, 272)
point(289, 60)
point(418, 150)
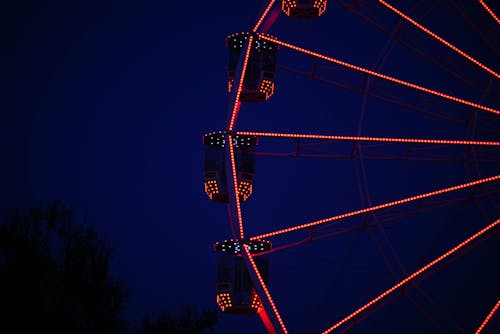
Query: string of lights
point(488, 318)
point(414, 275)
point(377, 207)
point(440, 39)
point(490, 11)
point(372, 139)
point(379, 75)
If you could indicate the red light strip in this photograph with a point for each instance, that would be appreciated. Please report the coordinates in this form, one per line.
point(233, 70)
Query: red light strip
point(264, 317)
point(266, 290)
point(375, 139)
point(235, 182)
point(268, 8)
point(380, 75)
point(488, 9)
point(377, 207)
point(412, 276)
point(488, 317)
point(430, 33)
point(240, 85)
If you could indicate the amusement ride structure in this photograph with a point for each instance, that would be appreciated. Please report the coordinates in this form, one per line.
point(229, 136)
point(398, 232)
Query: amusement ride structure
point(244, 263)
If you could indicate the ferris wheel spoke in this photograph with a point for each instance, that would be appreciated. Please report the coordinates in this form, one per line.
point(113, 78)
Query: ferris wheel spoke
point(259, 283)
point(488, 318)
point(489, 10)
point(377, 207)
point(409, 278)
point(440, 39)
point(369, 139)
point(383, 218)
point(380, 148)
point(379, 75)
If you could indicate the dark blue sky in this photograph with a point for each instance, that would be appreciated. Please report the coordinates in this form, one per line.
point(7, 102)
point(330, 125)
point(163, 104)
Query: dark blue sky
point(104, 104)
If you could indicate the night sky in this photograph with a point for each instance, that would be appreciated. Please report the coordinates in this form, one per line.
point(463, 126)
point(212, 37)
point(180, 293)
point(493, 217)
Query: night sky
point(104, 105)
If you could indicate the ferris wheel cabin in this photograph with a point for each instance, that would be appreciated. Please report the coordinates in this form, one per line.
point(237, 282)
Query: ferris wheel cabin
point(215, 177)
point(303, 8)
point(235, 293)
point(258, 84)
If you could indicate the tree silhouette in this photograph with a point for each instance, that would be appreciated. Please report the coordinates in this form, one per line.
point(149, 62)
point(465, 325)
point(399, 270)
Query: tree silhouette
point(54, 275)
point(188, 321)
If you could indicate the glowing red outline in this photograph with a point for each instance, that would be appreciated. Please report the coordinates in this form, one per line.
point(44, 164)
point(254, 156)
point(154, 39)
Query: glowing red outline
point(488, 318)
point(235, 182)
point(440, 39)
point(490, 11)
point(377, 207)
point(264, 317)
point(266, 290)
point(375, 139)
point(240, 85)
point(412, 276)
point(379, 75)
point(263, 16)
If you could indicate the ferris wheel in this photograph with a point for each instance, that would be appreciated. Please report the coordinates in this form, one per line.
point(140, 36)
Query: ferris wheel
point(400, 153)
